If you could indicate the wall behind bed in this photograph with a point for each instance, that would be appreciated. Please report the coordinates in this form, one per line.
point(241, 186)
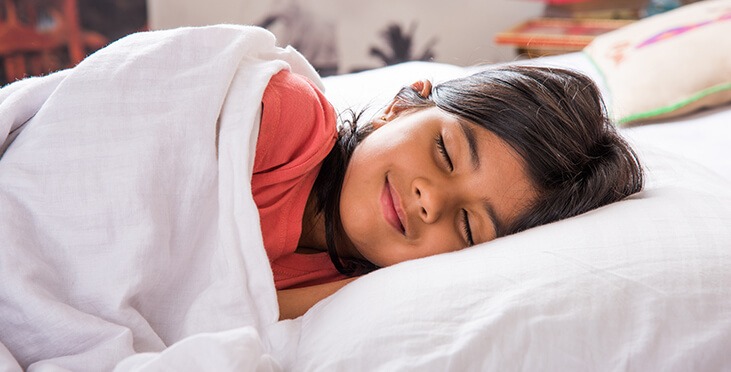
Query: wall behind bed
point(340, 36)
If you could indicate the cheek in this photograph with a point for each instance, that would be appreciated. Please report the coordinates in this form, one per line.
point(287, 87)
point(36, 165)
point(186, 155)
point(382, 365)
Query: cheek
point(359, 203)
point(442, 240)
point(434, 242)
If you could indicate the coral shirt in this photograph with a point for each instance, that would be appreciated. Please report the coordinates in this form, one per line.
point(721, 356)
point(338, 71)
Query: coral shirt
point(298, 130)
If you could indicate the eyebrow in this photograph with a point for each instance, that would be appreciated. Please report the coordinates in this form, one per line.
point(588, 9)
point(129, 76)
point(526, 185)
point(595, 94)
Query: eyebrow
point(469, 134)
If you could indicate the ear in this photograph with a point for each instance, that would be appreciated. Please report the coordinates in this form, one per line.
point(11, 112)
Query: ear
point(422, 87)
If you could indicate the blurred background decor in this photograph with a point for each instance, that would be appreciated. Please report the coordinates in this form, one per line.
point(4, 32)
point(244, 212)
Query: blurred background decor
point(41, 36)
point(307, 30)
point(314, 34)
point(341, 36)
point(336, 36)
point(401, 46)
point(570, 25)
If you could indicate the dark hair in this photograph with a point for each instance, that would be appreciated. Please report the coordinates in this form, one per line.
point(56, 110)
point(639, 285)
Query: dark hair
point(328, 185)
point(555, 119)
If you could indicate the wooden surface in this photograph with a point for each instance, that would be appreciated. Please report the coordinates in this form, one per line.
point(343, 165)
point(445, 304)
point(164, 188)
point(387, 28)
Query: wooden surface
point(29, 46)
point(545, 36)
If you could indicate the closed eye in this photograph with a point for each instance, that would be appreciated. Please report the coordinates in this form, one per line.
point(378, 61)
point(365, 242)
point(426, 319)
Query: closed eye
point(443, 151)
point(467, 229)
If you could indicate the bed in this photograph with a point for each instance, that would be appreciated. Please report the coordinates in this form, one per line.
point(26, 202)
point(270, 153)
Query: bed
point(638, 285)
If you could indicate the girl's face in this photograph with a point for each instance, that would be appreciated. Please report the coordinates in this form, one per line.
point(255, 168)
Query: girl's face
point(425, 183)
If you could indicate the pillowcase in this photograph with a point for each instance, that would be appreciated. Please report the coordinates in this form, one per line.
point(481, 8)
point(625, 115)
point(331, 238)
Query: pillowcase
point(669, 64)
point(371, 90)
point(642, 284)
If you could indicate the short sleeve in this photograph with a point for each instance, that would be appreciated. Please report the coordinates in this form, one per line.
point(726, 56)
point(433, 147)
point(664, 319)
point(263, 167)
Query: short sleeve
point(298, 130)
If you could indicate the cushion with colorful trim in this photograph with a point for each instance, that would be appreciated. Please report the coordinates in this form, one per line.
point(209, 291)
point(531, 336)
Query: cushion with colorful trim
point(667, 65)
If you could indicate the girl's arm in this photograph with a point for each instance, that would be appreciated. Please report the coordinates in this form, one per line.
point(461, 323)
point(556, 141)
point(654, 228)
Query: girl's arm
point(295, 302)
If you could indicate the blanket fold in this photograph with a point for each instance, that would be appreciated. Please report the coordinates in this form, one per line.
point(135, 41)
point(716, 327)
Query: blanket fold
point(127, 221)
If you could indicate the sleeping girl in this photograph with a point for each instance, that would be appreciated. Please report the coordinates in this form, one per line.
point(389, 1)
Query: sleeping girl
point(148, 194)
point(441, 169)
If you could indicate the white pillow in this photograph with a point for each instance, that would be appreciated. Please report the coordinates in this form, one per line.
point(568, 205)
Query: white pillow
point(373, 89)
point(642, 285)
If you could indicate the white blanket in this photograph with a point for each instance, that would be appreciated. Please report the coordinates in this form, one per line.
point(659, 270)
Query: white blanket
point(126, 217)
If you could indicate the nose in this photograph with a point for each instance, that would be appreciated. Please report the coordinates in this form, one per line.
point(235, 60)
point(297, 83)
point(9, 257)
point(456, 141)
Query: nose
point(431, 199)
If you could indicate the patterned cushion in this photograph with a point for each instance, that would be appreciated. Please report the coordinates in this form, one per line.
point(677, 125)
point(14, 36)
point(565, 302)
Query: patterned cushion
point(669, 64)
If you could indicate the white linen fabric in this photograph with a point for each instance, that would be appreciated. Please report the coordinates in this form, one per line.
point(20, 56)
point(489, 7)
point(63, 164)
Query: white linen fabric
point(127, 222)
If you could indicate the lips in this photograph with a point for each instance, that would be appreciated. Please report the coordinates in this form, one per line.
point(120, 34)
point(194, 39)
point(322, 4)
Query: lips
point(390, 204)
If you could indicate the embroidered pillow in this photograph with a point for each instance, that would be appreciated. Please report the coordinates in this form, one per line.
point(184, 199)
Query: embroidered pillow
point(669, 64)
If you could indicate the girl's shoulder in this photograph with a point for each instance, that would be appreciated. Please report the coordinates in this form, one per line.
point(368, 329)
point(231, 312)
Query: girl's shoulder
point(294, 94)
point(297, 122)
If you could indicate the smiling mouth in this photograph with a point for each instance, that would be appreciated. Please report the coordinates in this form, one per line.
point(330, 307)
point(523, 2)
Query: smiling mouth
point(388, 206)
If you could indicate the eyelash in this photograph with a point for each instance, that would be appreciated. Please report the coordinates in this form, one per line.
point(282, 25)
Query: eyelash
point(443, 151)
point(466, 228)
point(465, 220)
